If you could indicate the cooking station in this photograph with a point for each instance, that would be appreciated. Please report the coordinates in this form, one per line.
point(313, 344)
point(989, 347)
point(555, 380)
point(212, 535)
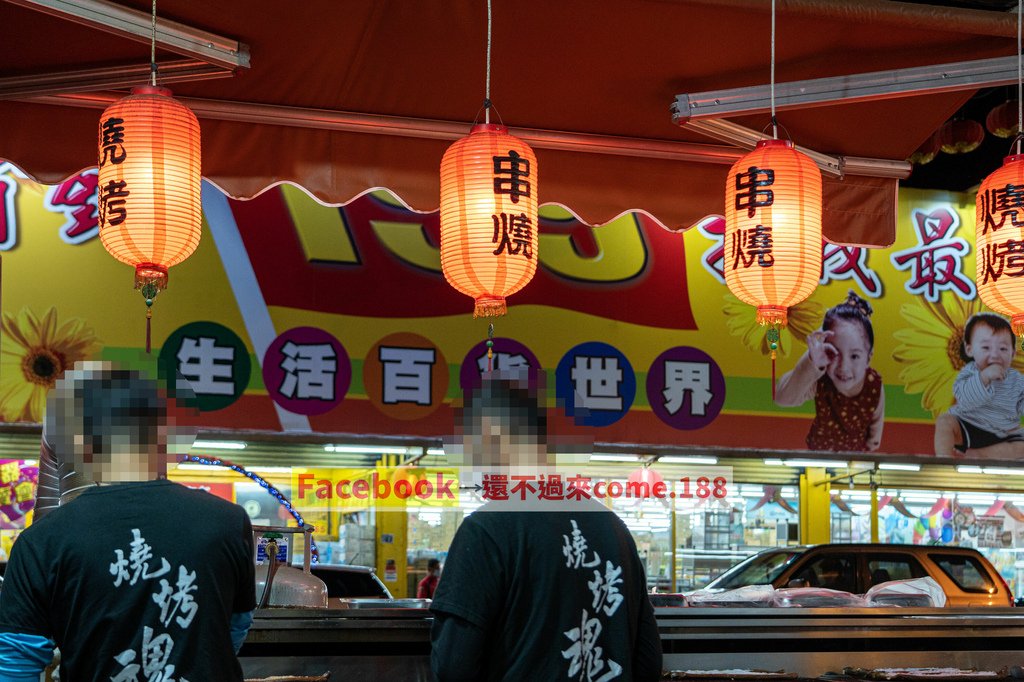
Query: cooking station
point(371, 644)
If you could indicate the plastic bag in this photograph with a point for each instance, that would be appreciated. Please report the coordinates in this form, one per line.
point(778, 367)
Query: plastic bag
point(749, 596)
point(916, 592)
point(816, 597)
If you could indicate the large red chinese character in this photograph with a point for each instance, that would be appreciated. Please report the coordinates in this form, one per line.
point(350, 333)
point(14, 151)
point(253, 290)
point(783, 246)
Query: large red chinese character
point(75, 198)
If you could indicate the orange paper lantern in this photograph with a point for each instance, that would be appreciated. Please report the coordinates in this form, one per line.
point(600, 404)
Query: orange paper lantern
point(773, 229)
point(149, 183)
point(1000, 243)
point(489, 216)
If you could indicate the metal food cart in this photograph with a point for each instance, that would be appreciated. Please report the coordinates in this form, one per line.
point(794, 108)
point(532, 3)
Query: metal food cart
point(373, 644)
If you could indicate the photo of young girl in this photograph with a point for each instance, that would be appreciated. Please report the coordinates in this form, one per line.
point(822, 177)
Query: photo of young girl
point(849, 399)
point(989, 396)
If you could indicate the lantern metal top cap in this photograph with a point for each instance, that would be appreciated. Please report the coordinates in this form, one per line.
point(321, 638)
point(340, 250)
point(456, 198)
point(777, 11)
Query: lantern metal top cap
point(488, 128)
point(151, 90)
point(1012, 158)
point(770, 142)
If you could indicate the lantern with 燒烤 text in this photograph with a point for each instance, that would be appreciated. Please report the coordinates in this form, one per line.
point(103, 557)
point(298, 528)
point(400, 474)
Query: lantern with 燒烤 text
point(149, 185)
point(489, 216)
point(999, 213)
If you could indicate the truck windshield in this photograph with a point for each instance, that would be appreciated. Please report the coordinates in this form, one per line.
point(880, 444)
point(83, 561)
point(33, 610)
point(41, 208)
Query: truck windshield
point(760, 569)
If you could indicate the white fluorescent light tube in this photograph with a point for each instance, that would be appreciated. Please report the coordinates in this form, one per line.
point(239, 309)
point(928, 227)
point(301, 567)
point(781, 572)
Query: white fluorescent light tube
point(219, 444)
point(824, 463)
point(965, 469)
point(30, 462)
point(435, 451)
point(269, 470)
point(614, 458)
point(774, 462)
point(1000, 471)
point(672, 459)
point(899, 467)
point(367, 449)
point(196, 466)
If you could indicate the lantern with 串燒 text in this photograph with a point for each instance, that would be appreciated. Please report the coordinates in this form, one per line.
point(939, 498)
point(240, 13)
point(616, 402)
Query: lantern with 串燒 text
point(149, 185)
point(773, 231)
point(1000, 243)
point(489, 216)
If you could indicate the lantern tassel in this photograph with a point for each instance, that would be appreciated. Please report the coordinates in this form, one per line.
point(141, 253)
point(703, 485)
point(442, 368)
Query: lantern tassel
point(149, 333)
point(490, 347)
point(773, 335)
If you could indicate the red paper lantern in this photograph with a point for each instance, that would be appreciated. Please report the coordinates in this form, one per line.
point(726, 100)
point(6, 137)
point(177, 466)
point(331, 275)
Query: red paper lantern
point(149, 185)
point(489, 216)
point(999, 241)
point(927, 152)
point(773, 229)
point(1002, 120)
point(960, 136)
point(643, 482)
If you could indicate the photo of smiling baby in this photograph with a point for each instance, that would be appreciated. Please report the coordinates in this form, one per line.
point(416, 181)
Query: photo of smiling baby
point(989, 396)
point(849, 399)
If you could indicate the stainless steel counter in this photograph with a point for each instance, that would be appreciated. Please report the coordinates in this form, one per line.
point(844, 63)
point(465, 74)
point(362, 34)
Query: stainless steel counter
point(373, 644)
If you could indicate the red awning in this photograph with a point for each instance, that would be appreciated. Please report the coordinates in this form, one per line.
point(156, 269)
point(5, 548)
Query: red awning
point(599, 68)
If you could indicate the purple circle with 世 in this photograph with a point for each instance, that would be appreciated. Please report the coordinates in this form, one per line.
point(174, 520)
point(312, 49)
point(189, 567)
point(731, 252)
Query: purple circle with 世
point(685, 388)
point(307, 371)
point(509, 356)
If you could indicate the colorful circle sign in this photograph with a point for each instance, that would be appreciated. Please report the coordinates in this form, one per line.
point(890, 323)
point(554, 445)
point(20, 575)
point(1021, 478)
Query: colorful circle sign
point(307, 371)
point(405, 376)
point(595, 384)
point(207, 359)
point(508, 355)
point(685, 388)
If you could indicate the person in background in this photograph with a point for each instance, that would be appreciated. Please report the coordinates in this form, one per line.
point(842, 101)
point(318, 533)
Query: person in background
point(137, 576)
point(989, 395)
point(849, 400)
point(538, 595)
point(425, 588)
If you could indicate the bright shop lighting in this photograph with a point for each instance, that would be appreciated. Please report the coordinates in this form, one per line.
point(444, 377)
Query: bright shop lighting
point(29, 462)
point(367, 449)
point(817, 463)
point(899, 467)
point(435, 451)
point(673, 459)
point(219, 445)
point(774, 462)
point(990, 471)
point(613, 458)
point(1001, 471)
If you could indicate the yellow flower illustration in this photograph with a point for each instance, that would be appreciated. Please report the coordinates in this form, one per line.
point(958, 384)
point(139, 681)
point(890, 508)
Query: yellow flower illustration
point(35, 352)
point(929, 348)
point(804, 318)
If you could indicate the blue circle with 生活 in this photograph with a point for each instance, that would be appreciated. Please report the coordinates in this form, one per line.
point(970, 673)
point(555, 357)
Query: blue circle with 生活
point(595, 384)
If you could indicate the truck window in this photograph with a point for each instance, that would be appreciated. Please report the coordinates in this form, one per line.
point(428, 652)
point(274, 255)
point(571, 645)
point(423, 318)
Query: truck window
point(884, 568)
point(966, 572)
point(831, 571)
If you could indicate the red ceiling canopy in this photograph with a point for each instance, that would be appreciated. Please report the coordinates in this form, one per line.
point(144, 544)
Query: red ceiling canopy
point(344, 97)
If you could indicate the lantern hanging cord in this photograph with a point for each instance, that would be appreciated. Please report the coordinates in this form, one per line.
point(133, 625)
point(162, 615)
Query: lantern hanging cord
point(152, 50)
point(487, 82)
point(775, 126)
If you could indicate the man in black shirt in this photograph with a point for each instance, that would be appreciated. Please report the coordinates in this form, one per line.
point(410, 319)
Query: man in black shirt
point(532, 594)
point(141, 579)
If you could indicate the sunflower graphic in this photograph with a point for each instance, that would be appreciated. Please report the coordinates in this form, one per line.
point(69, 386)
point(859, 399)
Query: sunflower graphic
point(740, 319)
point(34, 353)
point(929, 348)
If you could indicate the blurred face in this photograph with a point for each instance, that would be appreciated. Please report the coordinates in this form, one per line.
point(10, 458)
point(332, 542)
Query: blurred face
point(849, 367)
point(990, 347)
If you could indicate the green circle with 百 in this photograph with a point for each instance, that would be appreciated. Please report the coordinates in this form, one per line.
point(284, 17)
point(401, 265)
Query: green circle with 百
point(193, 337)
